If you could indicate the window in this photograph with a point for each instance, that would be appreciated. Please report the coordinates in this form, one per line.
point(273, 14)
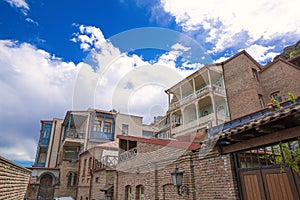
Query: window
point(205, 112)
point(140, 192)
point(124, 129)
point(276, 96)
point(255, 74)
point(107, 127)
point(97, 126)
point(128, 191)
point(90, 163)
point(260, 98)
point(71, 153)
point(84, 167)
point(69, 177)
point(75, 179)
point(97, 180)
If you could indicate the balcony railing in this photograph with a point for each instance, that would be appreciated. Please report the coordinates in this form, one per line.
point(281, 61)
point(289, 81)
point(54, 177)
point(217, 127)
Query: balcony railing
point(76, 134)
point(102, 135)
point(127, 155)
point(199, 93)
point(193, 124)
point(106, 161)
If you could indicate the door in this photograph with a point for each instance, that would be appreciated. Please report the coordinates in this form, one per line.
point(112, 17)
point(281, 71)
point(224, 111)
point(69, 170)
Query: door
point(46, 190)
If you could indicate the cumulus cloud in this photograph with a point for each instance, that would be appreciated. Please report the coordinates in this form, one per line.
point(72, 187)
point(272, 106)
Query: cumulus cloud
point(21, 4)
point(234, 23)
point(34, 85)
point(261, 53)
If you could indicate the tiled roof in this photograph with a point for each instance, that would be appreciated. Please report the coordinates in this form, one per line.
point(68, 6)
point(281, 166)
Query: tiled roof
point(273, 116)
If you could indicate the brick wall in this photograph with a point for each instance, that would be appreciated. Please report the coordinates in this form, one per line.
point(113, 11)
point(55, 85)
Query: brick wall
point(280, 77)
point(105, 177)
point(241, 87)
point(205, 177)
point(14, 180)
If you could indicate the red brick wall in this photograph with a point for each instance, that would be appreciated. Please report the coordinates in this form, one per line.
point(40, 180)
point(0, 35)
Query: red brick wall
point(280, 77)
point(204, 176)
point(242, 89)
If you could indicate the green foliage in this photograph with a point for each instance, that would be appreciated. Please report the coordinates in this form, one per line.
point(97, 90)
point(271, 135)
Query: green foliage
point(292, 97)
point(284, 155)
point(276, 102)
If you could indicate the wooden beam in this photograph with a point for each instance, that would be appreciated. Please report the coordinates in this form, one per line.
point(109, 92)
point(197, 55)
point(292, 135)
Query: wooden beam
point(263, 140)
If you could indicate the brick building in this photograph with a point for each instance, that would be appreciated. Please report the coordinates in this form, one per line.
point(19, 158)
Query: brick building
point(13, 180)
point(57, 165)
point(210, 119)
point(217, 93)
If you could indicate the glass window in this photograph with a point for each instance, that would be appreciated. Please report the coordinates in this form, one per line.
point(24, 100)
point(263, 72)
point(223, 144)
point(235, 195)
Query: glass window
point(260, 98)
point(107, 127)
point(255, 74)
point(124, 129)
point(140, 192)
point(84, 167)
point(71, 153)
point(128, 192)
point(276, 96)
point(69, 179)
point(97, 126)
point(97, 180)
point(75, 179)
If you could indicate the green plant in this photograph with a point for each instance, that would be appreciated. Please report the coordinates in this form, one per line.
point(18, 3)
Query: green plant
point(292, 97)
point(276, 102)
point(284, 155)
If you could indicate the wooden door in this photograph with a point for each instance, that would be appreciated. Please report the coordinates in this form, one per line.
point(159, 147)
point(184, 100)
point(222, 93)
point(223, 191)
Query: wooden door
point(46, 188)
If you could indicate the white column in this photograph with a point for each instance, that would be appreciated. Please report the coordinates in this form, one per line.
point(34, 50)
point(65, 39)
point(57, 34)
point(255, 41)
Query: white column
point(211, 93)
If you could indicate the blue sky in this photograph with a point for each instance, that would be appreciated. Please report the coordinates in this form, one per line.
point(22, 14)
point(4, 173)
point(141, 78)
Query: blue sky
point(62, 55)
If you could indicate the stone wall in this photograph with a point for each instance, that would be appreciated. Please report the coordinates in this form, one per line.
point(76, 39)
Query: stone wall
point(14, 180)
point(62, 189)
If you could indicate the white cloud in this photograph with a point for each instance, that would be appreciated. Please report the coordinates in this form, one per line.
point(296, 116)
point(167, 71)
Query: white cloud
point(261, 53)
point(228, 22)
point(31, 21)
point(19, 4)
point(34, 85)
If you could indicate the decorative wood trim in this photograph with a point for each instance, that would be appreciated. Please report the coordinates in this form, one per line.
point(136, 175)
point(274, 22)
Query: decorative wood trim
point(263, 140)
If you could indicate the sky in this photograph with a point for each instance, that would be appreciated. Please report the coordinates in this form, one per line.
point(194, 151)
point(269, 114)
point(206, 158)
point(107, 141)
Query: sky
point(62, 55)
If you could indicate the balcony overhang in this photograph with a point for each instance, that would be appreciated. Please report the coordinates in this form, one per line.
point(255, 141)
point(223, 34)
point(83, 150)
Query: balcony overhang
point(73, 142)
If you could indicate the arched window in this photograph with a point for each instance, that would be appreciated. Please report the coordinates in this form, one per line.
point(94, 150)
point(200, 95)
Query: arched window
point(128, 192)
point(75, 179)
point(69, 177)
point(140, 192)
